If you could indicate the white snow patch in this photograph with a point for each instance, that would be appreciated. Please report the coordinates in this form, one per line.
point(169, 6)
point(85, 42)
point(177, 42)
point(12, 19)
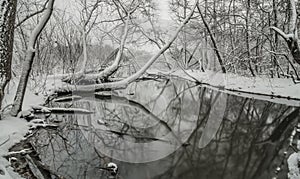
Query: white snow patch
point(29, 98)
point(32, 97)
point(293, 166)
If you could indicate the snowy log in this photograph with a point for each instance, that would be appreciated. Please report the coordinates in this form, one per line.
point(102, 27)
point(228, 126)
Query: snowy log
point(42, 109)
point(67, 99)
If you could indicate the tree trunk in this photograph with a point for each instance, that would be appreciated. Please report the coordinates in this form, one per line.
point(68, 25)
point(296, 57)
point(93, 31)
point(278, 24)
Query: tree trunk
point(17, 106)
point(216, 49)
point(7, 22)
point(248, 17)
point(291, 38)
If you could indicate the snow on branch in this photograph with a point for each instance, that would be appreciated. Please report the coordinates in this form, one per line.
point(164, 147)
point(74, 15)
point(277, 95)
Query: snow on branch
point(280, 32)
point(20, 152)
point(38, 29)
point(293, 18)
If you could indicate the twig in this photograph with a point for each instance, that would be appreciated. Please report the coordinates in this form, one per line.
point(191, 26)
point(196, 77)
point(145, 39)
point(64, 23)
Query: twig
point(5, 141)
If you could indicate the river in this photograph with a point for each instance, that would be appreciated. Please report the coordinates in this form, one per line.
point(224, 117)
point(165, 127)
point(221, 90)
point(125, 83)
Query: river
point(169, 128)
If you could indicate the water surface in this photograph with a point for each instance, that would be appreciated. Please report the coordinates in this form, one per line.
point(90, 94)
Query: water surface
point(169, 129)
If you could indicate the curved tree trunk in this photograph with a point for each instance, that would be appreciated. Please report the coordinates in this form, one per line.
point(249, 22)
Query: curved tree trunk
point(7, 22)
point(17, 106)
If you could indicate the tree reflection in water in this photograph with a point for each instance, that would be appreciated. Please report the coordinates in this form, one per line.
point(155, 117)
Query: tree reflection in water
point(250, 141)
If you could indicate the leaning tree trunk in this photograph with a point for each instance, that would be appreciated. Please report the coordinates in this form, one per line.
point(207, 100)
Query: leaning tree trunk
point(17, 106)
point(7, 22)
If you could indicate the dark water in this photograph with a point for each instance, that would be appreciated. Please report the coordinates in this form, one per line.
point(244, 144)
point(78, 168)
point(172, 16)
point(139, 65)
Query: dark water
point(169, 129)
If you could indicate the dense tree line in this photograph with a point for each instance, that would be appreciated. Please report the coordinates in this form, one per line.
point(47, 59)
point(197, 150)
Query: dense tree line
point(243, 34)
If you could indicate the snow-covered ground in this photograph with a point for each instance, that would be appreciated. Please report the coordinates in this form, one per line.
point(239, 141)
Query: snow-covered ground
point(31, 96)
point(12, 131)
point(277, 90)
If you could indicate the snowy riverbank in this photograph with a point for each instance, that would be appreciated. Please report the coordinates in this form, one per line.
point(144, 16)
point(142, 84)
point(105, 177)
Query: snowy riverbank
point(277, 90)
point(12, 132)
point(13, 129)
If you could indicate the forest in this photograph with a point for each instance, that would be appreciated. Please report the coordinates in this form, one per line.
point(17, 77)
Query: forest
point(149, 89)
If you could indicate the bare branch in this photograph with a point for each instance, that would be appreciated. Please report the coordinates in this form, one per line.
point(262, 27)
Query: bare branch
point(30, 16)
point(111, 69)
point(280, 32)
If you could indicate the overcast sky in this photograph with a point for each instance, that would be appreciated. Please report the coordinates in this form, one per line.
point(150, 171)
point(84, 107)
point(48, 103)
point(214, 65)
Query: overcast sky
point(162, 6)
point(164, 9)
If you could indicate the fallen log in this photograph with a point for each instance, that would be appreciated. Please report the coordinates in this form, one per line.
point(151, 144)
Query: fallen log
point(45, 110)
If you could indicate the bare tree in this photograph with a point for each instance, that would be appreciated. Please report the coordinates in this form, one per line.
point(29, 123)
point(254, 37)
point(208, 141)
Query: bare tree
point(18, 101)
point(89, 15)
